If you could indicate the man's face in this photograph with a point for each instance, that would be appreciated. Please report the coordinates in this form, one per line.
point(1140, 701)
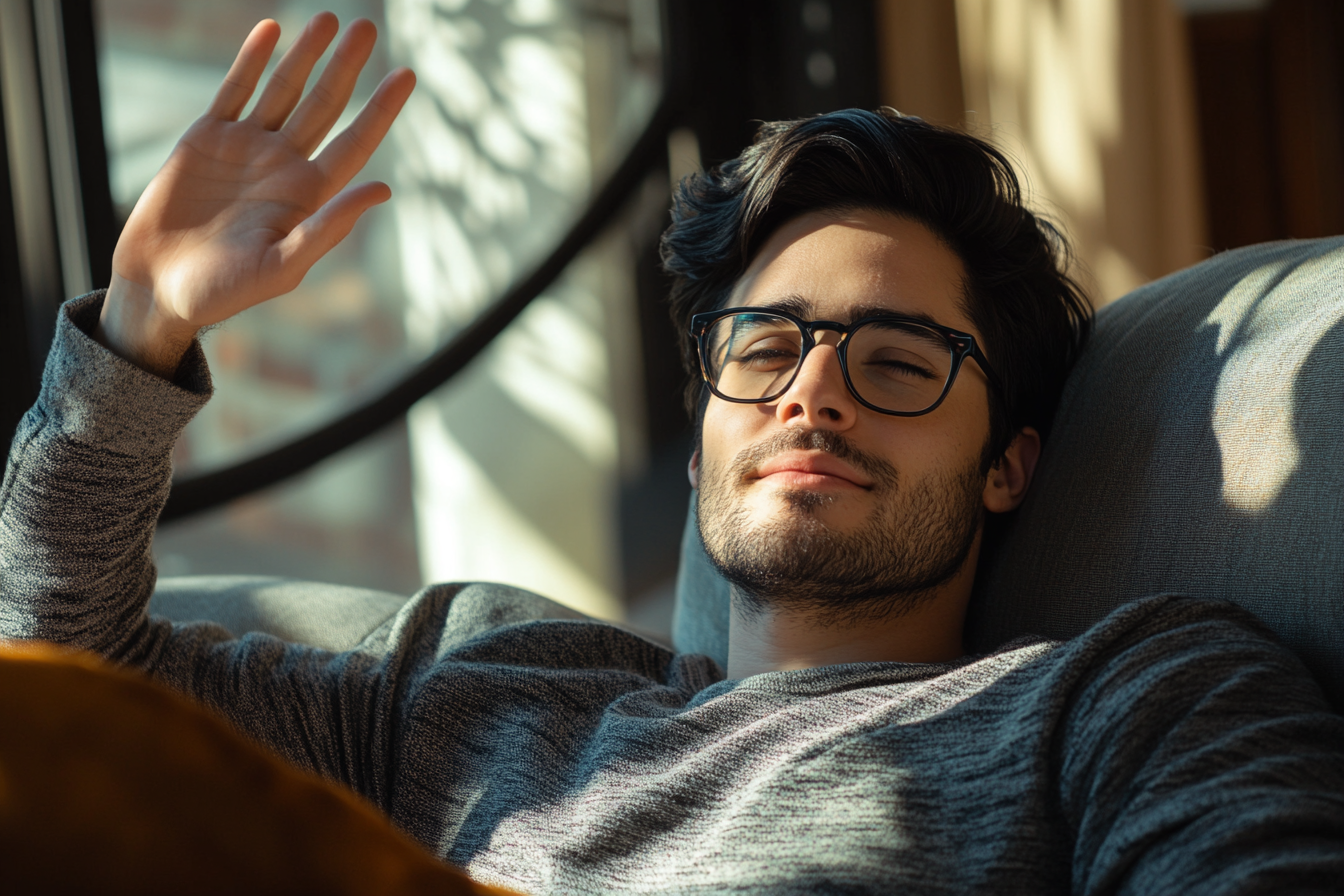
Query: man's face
point(813, 500)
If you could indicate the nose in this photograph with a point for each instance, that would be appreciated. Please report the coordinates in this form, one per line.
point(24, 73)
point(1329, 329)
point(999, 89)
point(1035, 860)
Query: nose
point(818, 397)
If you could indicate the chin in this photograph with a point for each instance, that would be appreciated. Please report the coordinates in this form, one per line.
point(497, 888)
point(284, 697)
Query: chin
point(827, 509)
point(847, 556)
point(796, 523)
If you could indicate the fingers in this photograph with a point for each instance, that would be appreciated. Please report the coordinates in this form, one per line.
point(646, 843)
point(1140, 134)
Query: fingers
point(245, 72)
point(345, 155)
point(320, 233)
point(326, 101)
point(285, 86)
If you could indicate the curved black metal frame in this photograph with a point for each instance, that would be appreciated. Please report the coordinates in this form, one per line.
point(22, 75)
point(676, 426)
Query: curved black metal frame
point(194, 494)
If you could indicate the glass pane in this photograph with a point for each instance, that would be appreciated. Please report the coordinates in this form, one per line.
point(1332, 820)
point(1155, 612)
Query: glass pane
point(899, 367)
point(286, 365)
point(753, 355)
point(521, 106)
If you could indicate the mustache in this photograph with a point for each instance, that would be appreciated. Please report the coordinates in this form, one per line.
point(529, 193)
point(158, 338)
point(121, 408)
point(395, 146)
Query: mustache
point(881, 471)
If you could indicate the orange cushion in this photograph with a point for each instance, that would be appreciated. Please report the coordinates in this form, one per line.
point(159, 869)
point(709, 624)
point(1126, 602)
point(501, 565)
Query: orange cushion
point(111, 783)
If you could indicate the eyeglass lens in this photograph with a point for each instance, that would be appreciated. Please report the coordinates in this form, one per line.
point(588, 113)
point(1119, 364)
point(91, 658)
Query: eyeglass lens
point(892, 365)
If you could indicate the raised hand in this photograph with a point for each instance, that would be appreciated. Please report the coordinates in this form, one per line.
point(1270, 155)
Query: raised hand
point(240, 211)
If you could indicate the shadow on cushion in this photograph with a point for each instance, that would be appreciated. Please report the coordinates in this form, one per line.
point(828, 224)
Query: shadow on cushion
point(1199, 448)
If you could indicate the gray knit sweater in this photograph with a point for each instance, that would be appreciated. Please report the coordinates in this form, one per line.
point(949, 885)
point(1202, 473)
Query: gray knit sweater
point(1174, 748)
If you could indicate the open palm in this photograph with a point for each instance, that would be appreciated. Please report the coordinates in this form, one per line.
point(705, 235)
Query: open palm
point(242, 209)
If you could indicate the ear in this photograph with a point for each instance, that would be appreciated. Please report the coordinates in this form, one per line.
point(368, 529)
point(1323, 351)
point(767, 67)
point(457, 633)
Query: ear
point(1008, 480)
point(693, 469)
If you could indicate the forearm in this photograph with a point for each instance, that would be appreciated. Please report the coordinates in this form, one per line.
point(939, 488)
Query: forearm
point(88, 473)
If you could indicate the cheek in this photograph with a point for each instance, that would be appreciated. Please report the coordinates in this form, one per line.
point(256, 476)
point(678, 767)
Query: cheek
point(950, 437)
point(965, 427)
point(729, 428)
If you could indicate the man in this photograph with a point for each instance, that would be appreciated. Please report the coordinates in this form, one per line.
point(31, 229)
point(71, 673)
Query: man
point(882, 330)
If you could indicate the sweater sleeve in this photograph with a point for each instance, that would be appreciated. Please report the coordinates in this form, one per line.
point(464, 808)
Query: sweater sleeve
point(88, 472)
point(1201, 757)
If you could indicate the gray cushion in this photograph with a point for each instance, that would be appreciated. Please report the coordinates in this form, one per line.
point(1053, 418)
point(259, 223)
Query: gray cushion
point(334, 617)
point(701, 612)
point(1198, 448)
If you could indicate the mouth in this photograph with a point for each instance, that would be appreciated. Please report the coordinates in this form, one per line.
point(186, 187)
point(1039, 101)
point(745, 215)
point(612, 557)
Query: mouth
point(811, 470)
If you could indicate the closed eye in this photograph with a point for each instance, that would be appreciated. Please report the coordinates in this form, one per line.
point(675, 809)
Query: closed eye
point(770, 343)
point(764, 355)
point(902, 368)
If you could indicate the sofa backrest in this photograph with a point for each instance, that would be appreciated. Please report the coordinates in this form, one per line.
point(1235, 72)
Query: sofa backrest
point(1199, 448)
point(333, 617)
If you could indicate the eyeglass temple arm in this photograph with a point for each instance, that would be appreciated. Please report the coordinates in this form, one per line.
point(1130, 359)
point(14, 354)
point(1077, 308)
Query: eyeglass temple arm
point(990, 373)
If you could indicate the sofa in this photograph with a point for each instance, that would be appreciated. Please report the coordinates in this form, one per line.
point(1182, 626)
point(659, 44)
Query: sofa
point(1197, 449)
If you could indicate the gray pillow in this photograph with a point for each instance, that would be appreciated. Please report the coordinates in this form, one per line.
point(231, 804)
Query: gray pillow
point(701, 612)
point(1199, 448)
point(334, 617)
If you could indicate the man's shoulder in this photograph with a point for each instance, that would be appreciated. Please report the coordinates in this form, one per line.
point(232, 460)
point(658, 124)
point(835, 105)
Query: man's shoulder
point(1178, 625)
point(1169, 654)
point(1152, 662)
point(1144, 630)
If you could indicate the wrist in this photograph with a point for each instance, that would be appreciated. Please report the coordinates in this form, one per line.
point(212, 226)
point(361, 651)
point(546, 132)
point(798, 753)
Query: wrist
point(133, 326)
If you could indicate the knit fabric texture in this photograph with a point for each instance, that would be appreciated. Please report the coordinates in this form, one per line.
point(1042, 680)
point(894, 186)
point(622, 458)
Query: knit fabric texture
point(1173, 747)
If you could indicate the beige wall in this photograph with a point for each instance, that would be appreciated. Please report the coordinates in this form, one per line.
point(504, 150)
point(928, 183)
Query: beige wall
point(1092, 99)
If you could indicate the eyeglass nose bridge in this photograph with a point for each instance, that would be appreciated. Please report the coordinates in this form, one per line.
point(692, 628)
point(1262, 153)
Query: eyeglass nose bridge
point(810, 341)
point(812, 328)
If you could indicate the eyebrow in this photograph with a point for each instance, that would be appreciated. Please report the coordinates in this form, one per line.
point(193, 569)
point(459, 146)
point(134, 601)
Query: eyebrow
point(799, 306)
point(792, 304)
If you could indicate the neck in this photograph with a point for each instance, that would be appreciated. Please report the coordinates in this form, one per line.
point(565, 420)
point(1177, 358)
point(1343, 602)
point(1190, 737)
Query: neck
point(773, 638)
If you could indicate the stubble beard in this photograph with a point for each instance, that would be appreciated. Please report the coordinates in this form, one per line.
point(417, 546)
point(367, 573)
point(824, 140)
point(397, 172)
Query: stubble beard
point(917, 539)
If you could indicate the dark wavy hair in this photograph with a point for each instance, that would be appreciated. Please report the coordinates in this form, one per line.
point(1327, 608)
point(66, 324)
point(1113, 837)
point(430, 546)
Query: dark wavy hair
point(1034, 318)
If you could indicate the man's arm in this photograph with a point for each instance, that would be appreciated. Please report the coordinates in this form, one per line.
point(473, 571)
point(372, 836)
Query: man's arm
point(1201, 757)
point(237, 215)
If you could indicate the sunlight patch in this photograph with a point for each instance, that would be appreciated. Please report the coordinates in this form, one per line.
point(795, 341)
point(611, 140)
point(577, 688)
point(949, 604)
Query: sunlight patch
point(1264, 339)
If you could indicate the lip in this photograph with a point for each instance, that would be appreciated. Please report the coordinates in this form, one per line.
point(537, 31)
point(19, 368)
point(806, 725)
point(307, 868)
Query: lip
point(811, 469)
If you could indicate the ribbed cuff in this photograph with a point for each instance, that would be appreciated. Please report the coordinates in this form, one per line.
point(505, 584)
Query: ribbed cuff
point(99, 398)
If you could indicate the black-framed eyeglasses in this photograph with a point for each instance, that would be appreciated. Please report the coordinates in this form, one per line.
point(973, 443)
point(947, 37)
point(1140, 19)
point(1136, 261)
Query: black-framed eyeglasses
point(892, 364)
